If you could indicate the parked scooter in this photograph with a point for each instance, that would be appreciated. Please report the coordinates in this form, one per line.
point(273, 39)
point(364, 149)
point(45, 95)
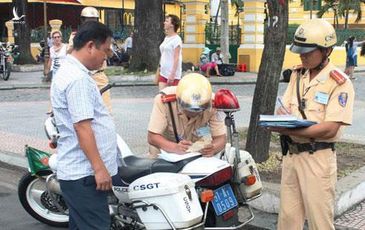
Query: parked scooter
point(178, 192)
point(42, 48)
point(7, 54)
point(120, 57)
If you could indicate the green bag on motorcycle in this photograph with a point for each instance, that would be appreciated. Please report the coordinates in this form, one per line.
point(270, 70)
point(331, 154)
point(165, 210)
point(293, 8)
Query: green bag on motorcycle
point(37, 159)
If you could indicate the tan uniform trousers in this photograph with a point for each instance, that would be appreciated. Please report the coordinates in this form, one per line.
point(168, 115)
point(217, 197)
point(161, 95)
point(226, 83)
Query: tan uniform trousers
point(308, 190)
point(102, 80)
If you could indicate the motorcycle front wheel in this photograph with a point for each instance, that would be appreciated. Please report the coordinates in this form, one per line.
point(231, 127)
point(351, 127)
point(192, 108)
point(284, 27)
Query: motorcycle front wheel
point(37, 202)
point(6, 71)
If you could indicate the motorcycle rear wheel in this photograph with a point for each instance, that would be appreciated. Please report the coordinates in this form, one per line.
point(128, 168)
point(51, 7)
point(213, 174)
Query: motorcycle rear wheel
point(30, 190)
point(6, 71)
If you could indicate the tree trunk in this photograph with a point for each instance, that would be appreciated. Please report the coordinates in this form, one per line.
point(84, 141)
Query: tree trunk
point(22, 33)
point(148, 35)
point(258, 139)
point(347, 17)
point(224, 43)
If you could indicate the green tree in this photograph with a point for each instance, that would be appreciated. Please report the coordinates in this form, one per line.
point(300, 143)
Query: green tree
point(258, 139)
point(22, 32)
point(342, 8)
point(148, 35)
point(330, 5)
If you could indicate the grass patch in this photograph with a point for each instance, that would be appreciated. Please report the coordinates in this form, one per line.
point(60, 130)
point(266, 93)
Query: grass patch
point(114, 71)
point(111, 71)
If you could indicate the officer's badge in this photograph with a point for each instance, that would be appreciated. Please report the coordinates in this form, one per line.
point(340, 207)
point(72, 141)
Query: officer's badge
point(342, 99)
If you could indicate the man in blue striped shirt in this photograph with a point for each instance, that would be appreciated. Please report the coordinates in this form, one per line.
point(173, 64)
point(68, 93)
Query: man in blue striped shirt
point(87, 147)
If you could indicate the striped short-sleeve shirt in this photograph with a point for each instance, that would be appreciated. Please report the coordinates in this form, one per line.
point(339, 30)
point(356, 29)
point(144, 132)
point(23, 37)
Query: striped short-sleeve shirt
point(75, 97)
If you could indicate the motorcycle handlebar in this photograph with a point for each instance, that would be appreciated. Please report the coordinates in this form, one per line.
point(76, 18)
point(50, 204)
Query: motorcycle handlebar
point(105, 88)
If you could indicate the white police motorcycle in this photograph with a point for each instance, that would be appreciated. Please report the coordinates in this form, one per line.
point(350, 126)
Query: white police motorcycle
point(189, 192)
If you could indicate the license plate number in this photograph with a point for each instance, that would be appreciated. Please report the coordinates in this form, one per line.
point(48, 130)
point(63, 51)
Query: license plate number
point(224, 199)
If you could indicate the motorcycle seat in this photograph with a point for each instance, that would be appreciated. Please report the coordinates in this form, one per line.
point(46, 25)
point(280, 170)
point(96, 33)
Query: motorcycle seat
point(135, 167)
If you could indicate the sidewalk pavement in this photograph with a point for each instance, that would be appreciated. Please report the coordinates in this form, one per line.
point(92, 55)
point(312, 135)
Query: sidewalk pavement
point(33, 79)
point(349, 189)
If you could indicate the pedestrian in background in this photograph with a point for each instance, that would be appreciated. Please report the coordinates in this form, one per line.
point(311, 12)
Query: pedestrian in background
point(128, 44)
point(217, 56)
point(319, 92)
point(351, 55)
point(58, 52)
point(206, 65)
point(171, 55)
point(87, 147)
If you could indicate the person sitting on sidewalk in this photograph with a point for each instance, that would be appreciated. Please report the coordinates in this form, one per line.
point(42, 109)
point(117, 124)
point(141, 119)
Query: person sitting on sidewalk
point(217, 56)
point(206, 65)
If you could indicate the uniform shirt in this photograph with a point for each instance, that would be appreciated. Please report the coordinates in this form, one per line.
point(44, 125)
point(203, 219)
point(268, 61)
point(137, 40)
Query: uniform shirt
point(167, 49)
point(75, 97)
point(325, 99)
point(161, 123)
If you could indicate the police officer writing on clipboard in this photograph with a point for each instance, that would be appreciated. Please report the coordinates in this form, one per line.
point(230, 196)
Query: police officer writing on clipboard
point(182, 117)
point(320, 92)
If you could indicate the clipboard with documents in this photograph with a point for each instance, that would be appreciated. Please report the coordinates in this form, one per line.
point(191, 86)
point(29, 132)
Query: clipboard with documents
point(284, 121)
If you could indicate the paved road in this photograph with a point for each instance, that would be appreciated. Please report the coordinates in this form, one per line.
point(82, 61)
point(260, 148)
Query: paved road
point(13, 216)
point(23, 114)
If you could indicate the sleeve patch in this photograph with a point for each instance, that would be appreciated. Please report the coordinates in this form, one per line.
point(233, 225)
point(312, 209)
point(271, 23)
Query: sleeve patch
point(342, 99)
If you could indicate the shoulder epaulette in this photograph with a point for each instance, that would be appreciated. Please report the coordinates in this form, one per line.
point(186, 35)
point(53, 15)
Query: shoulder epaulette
point(338, 76)
point(165, 98)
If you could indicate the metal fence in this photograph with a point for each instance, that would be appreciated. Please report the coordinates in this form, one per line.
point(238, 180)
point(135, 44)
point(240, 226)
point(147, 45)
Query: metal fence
point(213, 34)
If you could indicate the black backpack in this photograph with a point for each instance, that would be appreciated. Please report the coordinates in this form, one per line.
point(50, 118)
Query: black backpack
point(227, 69)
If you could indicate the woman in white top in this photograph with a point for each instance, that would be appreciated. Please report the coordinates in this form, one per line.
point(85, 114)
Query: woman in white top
point(171, 57)
point(57, 52)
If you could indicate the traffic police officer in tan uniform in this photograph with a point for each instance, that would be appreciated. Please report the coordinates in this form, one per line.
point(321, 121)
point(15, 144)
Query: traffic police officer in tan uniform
point(91, 14)
point(320, 92)
point(182, 115)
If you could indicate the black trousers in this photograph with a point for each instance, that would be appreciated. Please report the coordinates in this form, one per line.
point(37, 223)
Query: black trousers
point(88, 207)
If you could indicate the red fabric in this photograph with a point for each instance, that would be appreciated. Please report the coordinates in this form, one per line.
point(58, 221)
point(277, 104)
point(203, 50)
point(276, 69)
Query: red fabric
point(210, 65)
point(282, 2)
point(164, 80)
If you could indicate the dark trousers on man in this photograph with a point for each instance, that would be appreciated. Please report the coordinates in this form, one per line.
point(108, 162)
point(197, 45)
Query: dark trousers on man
point(88, 207)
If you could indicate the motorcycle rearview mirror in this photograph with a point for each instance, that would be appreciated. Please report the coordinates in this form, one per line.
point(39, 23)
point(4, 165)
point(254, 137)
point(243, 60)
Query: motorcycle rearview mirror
point(226, 101)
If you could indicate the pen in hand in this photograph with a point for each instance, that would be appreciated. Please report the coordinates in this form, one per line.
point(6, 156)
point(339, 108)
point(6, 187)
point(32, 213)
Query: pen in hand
point(282, 105)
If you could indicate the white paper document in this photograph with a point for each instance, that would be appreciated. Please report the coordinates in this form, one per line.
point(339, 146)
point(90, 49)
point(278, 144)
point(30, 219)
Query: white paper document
point(278, 118)
point(173, 157)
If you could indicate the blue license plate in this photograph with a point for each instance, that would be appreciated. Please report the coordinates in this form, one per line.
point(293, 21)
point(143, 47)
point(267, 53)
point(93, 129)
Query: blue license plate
point(224, 199)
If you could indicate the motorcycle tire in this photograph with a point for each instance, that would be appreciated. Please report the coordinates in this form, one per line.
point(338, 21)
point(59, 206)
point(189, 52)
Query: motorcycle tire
point(6, 71)
point(33, 205)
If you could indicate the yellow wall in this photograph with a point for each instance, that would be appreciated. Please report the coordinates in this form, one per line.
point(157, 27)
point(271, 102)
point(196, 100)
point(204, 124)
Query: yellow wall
point(191, 55)
point(338, 57)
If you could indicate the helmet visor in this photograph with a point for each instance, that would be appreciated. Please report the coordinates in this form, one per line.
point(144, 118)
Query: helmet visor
point(299, 48)
point(194, 108)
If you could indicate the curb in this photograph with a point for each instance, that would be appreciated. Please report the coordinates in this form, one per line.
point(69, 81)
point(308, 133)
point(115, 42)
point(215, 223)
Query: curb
point(349, 191)
point(16, 160)
point(27, 68)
